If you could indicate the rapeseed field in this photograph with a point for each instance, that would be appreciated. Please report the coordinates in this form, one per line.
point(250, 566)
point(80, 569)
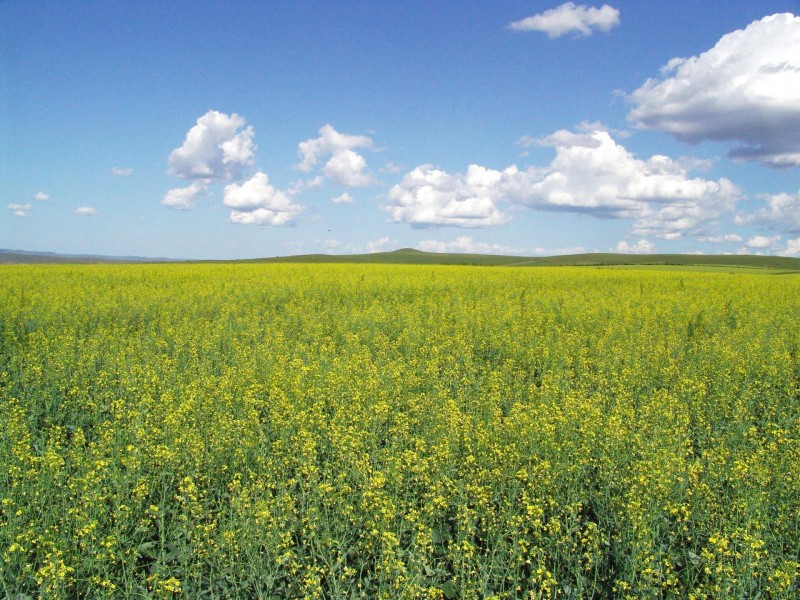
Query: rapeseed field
point(368, 431)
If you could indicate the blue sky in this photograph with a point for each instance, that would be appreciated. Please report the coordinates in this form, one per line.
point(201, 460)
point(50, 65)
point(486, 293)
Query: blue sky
point(249, 129)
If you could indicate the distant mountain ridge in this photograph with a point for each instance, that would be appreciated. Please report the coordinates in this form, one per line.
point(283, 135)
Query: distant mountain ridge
point(33, 257)
point(419, 257)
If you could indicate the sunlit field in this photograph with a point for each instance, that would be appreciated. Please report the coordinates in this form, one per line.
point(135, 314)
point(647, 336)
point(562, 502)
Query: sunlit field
point(389, 431)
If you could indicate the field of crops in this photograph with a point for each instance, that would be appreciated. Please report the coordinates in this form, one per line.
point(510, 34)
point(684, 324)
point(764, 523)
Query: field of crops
point(389, 431)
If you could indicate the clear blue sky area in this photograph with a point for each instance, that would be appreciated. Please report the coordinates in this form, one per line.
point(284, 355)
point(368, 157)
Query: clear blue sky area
point(253, 129)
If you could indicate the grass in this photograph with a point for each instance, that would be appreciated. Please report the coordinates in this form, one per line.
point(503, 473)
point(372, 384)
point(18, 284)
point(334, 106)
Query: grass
point(417, 257)
point(410, 256)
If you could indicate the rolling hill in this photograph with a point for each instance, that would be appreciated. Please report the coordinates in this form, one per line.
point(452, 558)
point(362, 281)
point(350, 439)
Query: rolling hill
point(418, 257)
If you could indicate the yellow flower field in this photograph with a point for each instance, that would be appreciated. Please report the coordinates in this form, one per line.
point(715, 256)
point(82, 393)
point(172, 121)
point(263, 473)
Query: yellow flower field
point(368, 431)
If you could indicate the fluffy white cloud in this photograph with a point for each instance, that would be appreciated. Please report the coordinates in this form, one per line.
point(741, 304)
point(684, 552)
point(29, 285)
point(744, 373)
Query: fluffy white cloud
point(86, 211)
point(217, 147)
point(465, 245)
point(20, 210)
point(604, 179)
point(41, 197)
point(562, 251)
point(344, 198)
point(348, 168)
point(720, 239)
point(380, 245)
point(256, 202)
point(590, 174)
point(782, 212)
point(762, 242)
point(570, 17)
point(792, 248)
point(563, 139)
point(428, 196)
point(260, 216)
point(122, 171)
point(329, 142)
point(745, 89)
point(344, 164)
point(184, 198)
point(641, 247)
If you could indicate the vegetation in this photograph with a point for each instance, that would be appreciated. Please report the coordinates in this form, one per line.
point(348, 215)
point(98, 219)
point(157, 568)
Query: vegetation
point(410, 256)
point(392, 431)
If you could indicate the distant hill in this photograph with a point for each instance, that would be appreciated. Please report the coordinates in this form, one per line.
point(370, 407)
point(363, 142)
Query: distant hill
point(410, 256)
point(417, 257)
point(28, 257)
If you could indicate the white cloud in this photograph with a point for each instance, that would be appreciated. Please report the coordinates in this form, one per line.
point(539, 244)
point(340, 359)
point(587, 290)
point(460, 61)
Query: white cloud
point(380, 245)
point(762, 242)
point(344, 164)
point(86, 211)
point(590, 174)
point(745, 89)
point(566, 139)
point(720, 239)
point(782, 213)
point(122, 171)
point(349, 169)
point(256, 202)
point(41, 197)
point(344, 198)
point(428, 196)
point(217, 147)
point(605, 180)
point(465, 245)
point(184, 198)
point(641, 247)
point(571, 250)
point(526, 141)
point(792, 248)
point(570, 17)
point(329, 142)
point(20, 210)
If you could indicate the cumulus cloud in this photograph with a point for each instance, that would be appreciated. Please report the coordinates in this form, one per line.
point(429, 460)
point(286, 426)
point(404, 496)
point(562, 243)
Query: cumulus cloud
point(344, 198)
point(590, 174)
point(745, 89)
point(568, 18)
point(762, 241)
point(20, 210)
point(256, 202)
point(329, 142)
point(792, 248)
point(565, 139)
point(563, 251)
point(720, 239)
point(641, 247)
point(428, 196)
point(344, 164)
point(218, 147)
point(122, 171)
point(41, 197)
point(86, 211)
point(380, 245)
point(348, 168)
point(605, 180)
point(465, 245)
point(782, 213)
point(184, 198)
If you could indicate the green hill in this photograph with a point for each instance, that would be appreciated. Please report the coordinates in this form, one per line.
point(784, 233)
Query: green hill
point(411, 256)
